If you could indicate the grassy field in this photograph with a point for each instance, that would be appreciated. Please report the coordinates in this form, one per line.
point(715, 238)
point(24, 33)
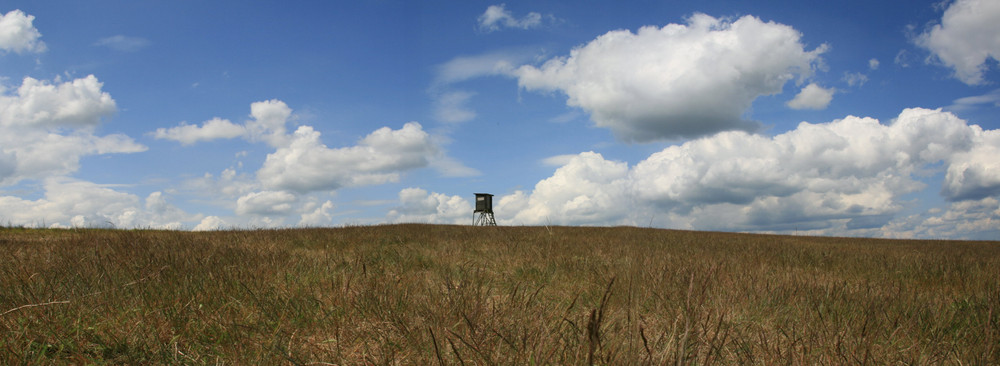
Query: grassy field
point(430, 294)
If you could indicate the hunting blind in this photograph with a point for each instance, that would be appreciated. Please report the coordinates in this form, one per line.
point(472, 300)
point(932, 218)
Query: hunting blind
point(483, 214)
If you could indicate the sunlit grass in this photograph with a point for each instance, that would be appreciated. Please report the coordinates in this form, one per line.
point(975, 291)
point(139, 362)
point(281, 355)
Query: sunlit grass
point(426, 294)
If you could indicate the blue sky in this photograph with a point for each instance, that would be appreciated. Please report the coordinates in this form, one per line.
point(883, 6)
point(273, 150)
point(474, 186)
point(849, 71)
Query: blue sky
point(850, 118)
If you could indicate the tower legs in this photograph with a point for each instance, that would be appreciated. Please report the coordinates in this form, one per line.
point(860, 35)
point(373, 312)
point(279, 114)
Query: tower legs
point(485, 218)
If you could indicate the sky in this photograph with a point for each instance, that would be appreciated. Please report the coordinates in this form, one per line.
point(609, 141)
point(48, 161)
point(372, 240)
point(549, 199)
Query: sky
point(854, 118)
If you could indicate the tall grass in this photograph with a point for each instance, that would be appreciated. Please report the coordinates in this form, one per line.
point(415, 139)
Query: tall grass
point(428, 294)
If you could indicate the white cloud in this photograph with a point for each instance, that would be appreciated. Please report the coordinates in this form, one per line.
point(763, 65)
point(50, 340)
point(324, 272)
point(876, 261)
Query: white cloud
point(975, 174)
point(452, 105)
point(73, 203)
point(812, 96)
point(18, 35)
point(968, 36)
point(76, 103)
point(40, 154)
point(873, 64)
point(841, 177)
point(468, 67)
point(497, 16)
point(418, 205)
point(213, 129)
point(678, 81)
point(265, 203)
point(268, 123)
point(854, 79)
point(227, 186)
point(317, 215)
point(990, 99)
point(210, 223)
point(302, 164)
point(971, 219)
point(123, 43)
point(46, 128)
point(307, 164)
point(588, 190)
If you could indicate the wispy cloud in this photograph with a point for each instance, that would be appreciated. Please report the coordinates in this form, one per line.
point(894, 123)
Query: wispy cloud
point(123, 43)
point(961, 104)
point(497, 17)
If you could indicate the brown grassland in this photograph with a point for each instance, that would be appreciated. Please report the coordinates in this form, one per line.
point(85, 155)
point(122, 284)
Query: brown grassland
point(435, 294)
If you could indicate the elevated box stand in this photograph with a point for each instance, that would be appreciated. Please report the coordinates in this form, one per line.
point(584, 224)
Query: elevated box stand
point(483, 215)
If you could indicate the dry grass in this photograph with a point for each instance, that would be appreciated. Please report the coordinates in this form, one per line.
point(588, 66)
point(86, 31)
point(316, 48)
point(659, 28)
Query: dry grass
point(427, 294)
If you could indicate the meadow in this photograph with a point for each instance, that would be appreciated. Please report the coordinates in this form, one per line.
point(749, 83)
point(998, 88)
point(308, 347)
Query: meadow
point(461, 295)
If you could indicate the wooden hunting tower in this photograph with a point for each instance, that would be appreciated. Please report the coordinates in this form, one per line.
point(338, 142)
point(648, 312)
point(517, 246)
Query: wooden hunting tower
point(484, 209)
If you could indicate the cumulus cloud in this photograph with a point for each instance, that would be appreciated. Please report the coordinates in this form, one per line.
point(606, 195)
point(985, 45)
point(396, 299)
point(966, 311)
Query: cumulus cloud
point(307, 164)
point(975, 173)
point(971, 219)
point(497, 16)
point(210, 223)
point(74, 203)
point(268, 122)
point(812, 96)
point(123, 43)
point(76, 103)
point(317, 214)
point(678, 81)
point(967, 37)
point(302, 165)
point(40, 154)
point(588, 190)
point(847, 175)
point(873, 64)
point(47, 127)
point(18, 35)
point(265, 203)
point(213, 129)
point(418, 205)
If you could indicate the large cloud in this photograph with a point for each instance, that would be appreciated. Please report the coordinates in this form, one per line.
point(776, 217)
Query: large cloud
point(968, 36)
point(46, 127)
point(849, 174)
point(587, 190)
point(73, 203)
point(76, 103)
point(418, 205)
point(307, 164)
point(678, 81)
point(975, 174)
point(17, 34)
